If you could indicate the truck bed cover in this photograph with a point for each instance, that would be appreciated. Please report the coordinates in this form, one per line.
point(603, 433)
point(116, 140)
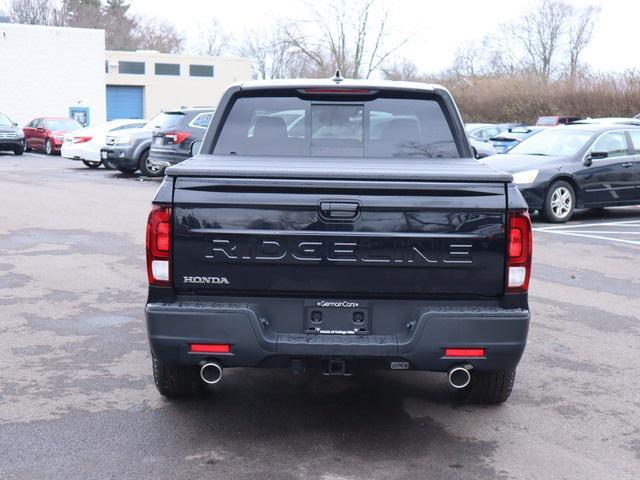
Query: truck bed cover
point(445, 170)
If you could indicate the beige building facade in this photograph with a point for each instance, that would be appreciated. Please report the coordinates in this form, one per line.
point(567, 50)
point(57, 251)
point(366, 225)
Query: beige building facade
point(141, 84)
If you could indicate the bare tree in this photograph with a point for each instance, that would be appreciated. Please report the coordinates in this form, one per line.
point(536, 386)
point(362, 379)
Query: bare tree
point(123, 31)
point(467, 60)
point(213, 39)
point(273, 55)
point(403, 69)
point(540, 34)
point(354, 37)
point(158, 35)
point(33, 12)
point(580, 32)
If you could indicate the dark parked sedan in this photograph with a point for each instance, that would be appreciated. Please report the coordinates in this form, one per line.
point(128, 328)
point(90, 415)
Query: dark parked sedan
point(174, 139)
point(576, 166)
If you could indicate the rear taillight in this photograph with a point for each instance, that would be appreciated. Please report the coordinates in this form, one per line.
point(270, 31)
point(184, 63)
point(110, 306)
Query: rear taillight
point(81, 139)
point(519, 252)
point(159, 246)
point(176, 137)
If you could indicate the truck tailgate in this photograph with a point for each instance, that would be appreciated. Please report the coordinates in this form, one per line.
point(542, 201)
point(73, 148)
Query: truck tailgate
point(337, 237)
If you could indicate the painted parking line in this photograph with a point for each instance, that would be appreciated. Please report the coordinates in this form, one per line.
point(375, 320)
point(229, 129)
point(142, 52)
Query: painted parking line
point(618, 232)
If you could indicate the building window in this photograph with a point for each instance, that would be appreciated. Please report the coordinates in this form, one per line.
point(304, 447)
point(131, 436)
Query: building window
point(106, 66)
point(167, 69)
point(135, 68)
point(201, 70)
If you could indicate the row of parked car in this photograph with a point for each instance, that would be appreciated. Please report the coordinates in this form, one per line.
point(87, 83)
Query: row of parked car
point(567, 163)
point(559, 164)
point(493, 138)
point(127, 144)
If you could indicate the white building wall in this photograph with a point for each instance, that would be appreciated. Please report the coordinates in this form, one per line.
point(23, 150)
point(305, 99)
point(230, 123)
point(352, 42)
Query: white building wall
point(168, 92)
point(46, 70)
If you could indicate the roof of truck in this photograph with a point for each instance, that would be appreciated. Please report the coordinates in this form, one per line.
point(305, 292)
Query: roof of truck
point(329, 83)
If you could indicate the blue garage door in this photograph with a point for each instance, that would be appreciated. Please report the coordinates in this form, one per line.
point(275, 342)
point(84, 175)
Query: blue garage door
point(124, 102)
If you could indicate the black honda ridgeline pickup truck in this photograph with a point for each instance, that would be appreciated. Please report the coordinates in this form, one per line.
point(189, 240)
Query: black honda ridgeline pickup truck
point(337, 225)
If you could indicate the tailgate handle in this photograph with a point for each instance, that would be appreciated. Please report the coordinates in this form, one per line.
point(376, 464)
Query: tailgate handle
point(339, 210)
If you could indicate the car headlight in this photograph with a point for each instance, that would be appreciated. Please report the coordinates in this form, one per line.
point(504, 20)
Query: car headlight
point(527, 176)
point(124, 139)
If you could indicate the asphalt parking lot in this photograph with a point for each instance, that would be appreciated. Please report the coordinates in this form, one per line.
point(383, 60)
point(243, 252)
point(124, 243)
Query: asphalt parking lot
point(77, 399)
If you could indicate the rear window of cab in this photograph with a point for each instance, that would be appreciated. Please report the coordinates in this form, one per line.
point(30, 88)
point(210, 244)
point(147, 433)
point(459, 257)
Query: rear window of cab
point(380, 127)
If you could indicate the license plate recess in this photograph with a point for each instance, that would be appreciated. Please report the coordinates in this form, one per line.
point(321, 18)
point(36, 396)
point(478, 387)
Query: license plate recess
point(337, 317)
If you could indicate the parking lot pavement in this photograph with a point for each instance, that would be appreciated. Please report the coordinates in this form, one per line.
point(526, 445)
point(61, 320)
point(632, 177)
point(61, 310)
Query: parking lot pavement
point(77, 399)
point(618, 231)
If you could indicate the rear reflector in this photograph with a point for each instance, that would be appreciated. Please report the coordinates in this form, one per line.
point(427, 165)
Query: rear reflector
point(464, 352)
point(210, 348)
point(160, 270)
point(519, 252)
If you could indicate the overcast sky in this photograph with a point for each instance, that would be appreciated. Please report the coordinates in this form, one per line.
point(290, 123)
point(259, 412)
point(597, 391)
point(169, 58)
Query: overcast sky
point(436, 27)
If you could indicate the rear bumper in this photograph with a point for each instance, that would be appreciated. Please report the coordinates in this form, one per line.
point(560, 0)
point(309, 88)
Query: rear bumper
point(72, 152)
point(420, 341)
point(11, 143)
point(122, 156)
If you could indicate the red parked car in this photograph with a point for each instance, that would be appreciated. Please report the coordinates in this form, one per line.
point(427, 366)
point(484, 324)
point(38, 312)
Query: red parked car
point(47, 133)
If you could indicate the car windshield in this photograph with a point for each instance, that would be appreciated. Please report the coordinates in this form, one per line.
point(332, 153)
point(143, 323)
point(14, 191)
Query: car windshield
point(62, 124)
point(166, 120)
point(378, 128)
point(5, 121)
point(553, 142)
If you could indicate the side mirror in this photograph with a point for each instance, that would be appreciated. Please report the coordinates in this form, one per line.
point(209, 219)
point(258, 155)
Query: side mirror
point(196, 146)
point(15, 124)
point(40, 129)
point(588, 160)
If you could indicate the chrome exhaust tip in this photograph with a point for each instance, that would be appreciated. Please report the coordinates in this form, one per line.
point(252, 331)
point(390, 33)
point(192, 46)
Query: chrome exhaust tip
point(459, 376)
point(211, 373)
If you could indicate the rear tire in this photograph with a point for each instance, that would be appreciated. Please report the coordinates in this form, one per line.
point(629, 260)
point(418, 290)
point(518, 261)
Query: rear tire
point(26, 146)
point(18, 150)
point(91, 164)
point(559, 202)
point(109, 164)
point(491, 387)
point(127, 171)
point(177, 381)
point(147, 169)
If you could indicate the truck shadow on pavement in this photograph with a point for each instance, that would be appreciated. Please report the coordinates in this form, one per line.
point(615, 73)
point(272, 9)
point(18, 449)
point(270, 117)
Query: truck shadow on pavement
point(327, 420)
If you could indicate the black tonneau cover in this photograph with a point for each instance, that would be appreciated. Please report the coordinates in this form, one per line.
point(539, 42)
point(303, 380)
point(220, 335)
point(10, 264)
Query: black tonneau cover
point(446, 170)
